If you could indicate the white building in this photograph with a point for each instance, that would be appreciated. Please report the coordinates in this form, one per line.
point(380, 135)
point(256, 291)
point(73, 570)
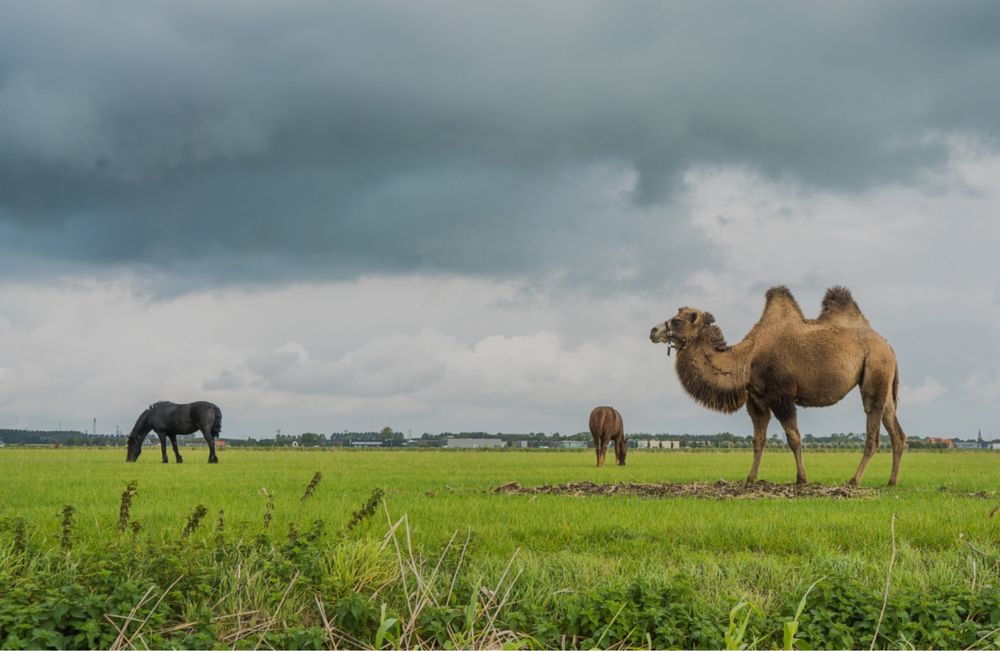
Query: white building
point(474, 443)
point(654, 444)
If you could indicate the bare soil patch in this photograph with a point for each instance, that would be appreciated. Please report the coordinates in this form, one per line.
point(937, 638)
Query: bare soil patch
point(721, 489)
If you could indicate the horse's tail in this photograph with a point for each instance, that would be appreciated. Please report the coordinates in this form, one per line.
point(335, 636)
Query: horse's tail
point(217, 425)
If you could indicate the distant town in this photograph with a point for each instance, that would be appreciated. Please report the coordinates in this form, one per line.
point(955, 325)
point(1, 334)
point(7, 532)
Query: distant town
point(389, 438)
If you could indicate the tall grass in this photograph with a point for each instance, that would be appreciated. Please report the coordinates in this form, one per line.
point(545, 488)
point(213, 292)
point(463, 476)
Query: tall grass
point(411, 549)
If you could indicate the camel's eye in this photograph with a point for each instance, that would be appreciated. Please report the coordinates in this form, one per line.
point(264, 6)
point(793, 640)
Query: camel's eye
point(693, 317)
point(675, 322)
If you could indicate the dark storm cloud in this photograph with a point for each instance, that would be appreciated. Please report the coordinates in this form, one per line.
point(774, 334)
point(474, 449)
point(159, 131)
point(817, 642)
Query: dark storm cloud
point(324, 139)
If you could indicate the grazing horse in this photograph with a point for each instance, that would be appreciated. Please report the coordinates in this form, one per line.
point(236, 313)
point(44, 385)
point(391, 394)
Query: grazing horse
point(169, 419)
point(605, 426)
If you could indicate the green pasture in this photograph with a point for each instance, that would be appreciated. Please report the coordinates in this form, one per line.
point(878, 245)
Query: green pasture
point(754, 548)
point(443, 562)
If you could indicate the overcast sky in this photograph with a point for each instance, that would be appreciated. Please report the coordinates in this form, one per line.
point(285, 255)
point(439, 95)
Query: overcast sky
point(447, 216)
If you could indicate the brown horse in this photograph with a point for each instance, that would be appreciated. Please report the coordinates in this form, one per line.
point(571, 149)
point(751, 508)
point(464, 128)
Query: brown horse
point(605, 426)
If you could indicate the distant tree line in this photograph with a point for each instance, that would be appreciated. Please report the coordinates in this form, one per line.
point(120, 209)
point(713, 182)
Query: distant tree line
point(387, 437)
point(45, 437)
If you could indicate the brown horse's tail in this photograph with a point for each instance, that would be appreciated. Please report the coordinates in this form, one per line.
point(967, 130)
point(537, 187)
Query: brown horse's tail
point(217, 425)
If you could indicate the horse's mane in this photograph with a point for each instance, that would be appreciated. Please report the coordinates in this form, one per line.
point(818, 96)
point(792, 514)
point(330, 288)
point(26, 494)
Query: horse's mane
point(156, 404)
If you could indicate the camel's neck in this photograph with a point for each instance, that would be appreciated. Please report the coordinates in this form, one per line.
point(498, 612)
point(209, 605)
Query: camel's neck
point(715, 375)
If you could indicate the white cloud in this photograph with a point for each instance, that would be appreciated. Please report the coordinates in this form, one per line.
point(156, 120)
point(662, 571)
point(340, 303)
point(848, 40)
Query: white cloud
point(436, 353)
point(925, 394)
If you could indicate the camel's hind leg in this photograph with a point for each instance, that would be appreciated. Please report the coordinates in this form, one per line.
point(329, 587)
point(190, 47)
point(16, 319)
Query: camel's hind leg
point(874, 397)
point(897, 436)
point(760, 415)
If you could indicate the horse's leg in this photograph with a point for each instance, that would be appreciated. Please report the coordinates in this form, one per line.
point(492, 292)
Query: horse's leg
point(896, 435)
point(620, 446)
point(207, 433)
point(760, 415)
point(874, 391)
point(604, 450)
point(163, 445)
point(177, 453)
point(597, 447)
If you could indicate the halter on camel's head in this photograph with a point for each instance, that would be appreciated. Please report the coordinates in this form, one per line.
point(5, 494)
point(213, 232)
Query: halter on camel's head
point(682, 329)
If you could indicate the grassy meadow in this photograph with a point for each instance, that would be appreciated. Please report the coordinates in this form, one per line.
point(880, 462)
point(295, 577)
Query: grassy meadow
point(572, 571)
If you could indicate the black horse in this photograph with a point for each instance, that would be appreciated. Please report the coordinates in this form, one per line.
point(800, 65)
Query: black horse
point(169, 419)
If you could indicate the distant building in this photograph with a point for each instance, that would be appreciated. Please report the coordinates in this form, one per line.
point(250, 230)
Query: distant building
point(655, 444)
point(572, 444)
point(474, 443)
point(995, 446)
point(366, 444)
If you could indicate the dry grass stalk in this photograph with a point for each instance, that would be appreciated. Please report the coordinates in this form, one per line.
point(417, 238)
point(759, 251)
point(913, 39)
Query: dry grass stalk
point(487, 603)
point(888, 578)
point(125, 640)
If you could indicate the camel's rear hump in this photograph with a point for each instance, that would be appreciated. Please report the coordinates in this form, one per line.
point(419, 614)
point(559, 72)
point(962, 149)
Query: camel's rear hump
point(839, 306)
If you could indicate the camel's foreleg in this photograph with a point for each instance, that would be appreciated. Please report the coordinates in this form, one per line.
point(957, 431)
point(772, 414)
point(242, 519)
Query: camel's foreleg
point(789, 422)
point(760, 415)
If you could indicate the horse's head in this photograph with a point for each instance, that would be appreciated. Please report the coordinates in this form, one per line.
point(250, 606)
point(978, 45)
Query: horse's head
point(134, 447)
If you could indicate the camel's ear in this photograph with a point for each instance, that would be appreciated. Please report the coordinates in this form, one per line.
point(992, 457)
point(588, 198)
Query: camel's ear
point(707, 318)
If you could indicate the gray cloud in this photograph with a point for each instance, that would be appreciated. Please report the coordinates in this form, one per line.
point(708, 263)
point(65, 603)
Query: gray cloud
point(318, 140)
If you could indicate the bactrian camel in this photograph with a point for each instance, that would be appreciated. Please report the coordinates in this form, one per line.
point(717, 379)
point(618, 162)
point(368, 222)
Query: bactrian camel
point(606, 426)
point(787, 360)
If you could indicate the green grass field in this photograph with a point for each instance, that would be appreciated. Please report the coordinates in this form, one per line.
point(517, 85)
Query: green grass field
point(766, 551)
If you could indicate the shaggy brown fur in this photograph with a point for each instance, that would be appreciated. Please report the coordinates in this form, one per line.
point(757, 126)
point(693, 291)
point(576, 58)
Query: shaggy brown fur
point(606, 426)
point(786, 361)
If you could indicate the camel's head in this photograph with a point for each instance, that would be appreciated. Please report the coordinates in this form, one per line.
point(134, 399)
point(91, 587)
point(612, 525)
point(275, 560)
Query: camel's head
point(682, 329)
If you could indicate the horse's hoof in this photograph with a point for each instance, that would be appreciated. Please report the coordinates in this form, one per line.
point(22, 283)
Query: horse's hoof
point(213, 461)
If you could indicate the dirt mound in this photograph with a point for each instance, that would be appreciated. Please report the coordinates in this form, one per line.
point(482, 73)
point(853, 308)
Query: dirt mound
point(718, 490)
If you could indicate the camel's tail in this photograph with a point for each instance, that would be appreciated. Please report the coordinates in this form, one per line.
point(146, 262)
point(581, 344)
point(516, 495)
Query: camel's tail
point(895, 385)
point(217, 425)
